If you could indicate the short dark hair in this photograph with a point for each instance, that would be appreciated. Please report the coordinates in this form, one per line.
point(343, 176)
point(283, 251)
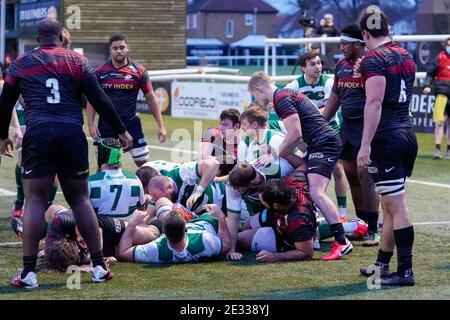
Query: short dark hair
point(232, 114)
point(353, 31)
point(241, 175)
point(307, 56)
point(117, 37)
point(256, 114)
point(446, 42)
point(174, 226)
point(276, 191)
point(378, 28)
point(315, 45)
point(61, 254)
point(145, 174)
point(49, 30)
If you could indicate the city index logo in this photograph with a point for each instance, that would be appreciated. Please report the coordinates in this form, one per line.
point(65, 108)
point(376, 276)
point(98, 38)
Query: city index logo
point(124, 86)
point(350, 85)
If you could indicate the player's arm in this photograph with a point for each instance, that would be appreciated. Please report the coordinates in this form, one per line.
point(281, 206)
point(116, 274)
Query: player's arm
point(294, 134)
point(234, 208)
point(222, 231)
point(154, 108)
point(204, 150)
point(207, 170)
point(432, 71)
point(375, 89)
point(303, 251)
point(331, 106)
point(125, 248)
point(8, 99)
point(90, 115)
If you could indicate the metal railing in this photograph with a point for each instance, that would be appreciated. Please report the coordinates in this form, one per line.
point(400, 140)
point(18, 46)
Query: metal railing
point(273, 42)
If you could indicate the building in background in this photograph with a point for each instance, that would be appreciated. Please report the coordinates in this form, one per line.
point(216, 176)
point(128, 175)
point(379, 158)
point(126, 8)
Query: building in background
point(225, 27)
point(155, 29)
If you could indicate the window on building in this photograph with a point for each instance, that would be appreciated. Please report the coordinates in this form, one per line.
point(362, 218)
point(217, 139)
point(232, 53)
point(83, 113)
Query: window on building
point(229, 29)
point(248, 19)
point(194, 21)
point(187, 22)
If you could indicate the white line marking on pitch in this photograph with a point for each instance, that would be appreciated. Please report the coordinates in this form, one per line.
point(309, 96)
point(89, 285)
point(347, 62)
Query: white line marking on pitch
point(432, 184)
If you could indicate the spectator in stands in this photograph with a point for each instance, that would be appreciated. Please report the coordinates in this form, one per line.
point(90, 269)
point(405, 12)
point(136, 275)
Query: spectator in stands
point(327, 27)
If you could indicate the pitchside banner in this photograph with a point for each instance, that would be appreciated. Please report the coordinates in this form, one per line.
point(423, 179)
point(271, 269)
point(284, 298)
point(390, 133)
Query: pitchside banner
point(207, 100)
point(162, 93)
point(421, 108)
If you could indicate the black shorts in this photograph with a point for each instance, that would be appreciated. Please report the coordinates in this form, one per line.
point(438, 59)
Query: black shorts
point(323, 158)
point(134, 128)
point(393, 155)
point(351, 136)
point(55, 148)
point(112, 231)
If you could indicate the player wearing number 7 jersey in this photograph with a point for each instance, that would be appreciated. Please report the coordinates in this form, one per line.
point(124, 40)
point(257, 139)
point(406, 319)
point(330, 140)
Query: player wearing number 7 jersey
point(114, 192)
point(52, 81)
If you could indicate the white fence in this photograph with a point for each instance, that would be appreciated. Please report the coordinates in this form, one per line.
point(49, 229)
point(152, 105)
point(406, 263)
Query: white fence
point(274, 42)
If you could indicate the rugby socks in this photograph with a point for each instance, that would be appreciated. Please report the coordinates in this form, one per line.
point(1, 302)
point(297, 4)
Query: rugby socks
point(51, 195)
point(29, 264)
point(361, 214)
point(448, 146)
point(372, 221)
point(404, 239)
point(20, 195)
point(383, 258)
point(339, 233)
point(438, 147)
point(97, 259)
point(342, 206)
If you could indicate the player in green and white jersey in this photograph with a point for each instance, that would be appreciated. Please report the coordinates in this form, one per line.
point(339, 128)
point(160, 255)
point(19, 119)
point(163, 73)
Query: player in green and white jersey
point(191, 185)
point(262, 144)
point(202, 237)
point(317, 87)
point(114, 192)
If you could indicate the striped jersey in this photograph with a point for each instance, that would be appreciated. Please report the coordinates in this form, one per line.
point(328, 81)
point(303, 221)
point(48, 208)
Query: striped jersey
point(115, 193)
point(250, 150)
point(202, 242)
point(122, 86)
point(50, 81)
point(397, 66)
point(185, 179)
point(315, 129)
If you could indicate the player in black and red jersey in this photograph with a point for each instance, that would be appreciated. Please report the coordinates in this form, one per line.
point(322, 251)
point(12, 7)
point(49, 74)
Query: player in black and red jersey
point(389, 145)
point(303, 120)
point(52, 81)
point(122, 78)
point(348, 93)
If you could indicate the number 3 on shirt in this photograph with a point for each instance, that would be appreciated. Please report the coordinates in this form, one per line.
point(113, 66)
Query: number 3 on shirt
point(53, 84)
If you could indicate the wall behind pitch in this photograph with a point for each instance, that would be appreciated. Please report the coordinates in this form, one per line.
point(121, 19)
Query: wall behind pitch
point(155, 28)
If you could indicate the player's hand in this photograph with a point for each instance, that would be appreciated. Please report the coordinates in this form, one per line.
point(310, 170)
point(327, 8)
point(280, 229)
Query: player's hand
point(363, 159)
point(138, 218)
point(233, 255)
point(193, 199)
point(17, 138)
point(264, 161)
point(215, 210)
point(6, 147)
point(426, 90)
point(162, 134)
point(266, 256)
point(357, 67)
point(127, 141)
point(94, 132)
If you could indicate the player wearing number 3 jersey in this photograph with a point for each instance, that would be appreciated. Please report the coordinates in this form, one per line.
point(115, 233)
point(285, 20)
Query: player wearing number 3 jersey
point(52, 81)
